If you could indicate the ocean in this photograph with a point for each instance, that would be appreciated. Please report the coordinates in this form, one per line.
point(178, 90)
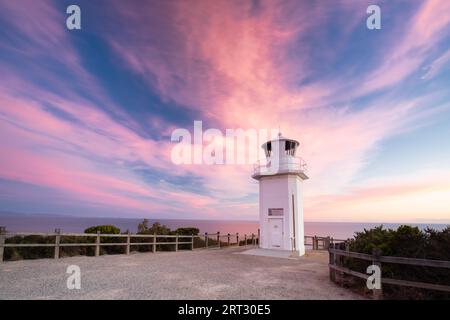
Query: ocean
point(45, 223)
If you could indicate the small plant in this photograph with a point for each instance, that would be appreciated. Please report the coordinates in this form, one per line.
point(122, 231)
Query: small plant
point(409, 242)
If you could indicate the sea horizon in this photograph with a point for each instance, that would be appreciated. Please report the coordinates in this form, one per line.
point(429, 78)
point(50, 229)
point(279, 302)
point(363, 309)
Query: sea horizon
point(32, 222)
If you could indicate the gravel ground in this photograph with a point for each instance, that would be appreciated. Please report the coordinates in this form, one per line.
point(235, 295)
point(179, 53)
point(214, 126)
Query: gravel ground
point(200, 274)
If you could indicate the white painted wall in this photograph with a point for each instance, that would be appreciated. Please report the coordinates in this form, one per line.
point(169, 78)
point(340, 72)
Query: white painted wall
point(276, 192)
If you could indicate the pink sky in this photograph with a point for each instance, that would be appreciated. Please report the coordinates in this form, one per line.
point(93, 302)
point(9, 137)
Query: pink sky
point(86, 116)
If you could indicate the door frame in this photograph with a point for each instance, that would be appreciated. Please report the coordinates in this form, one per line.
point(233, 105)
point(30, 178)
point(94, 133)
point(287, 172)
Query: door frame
point(281, 218)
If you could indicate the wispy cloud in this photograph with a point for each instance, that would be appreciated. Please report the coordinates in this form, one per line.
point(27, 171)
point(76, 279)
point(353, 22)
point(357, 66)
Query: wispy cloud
point(232, 64)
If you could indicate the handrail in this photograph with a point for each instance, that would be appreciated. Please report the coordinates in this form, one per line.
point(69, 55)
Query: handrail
point(211, 240)
point(288, 163)
point(177, 240)
point(393, 259)
point(337, 270)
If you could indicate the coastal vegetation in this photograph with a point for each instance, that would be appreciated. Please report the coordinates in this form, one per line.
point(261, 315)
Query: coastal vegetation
point(18, 253)
point(405, 241)
point(143, 228)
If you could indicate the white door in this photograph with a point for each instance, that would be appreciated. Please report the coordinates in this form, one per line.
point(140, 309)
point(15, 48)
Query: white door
point(276, 233)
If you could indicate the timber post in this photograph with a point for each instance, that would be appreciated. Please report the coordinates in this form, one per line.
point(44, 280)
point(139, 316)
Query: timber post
point(57, 241)
point(377, 293)
point(97, 244)
point(331, 260)
point(2, 242)
point(218, 239)
point(128, 242)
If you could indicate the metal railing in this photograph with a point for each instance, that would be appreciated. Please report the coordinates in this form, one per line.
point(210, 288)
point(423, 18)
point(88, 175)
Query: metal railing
point(271, 166)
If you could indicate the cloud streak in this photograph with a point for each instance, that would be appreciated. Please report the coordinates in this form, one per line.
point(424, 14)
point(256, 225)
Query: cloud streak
point(234, 64)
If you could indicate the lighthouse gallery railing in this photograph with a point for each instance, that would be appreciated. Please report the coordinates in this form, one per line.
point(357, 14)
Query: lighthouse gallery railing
point(270, 165)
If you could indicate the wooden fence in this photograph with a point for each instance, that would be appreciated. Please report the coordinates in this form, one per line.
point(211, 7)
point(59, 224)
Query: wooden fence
point(211, 241)
point(338, 251)
point(320, 243)
point(215, 240)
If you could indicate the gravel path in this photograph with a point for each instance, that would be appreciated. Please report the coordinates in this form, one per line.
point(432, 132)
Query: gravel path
point(201, 274)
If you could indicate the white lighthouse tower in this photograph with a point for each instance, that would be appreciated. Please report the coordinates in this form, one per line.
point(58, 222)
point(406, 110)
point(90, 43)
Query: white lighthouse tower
point(280, 177)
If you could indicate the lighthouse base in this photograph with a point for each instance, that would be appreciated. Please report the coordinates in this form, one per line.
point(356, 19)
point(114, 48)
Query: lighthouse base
point(281, 213)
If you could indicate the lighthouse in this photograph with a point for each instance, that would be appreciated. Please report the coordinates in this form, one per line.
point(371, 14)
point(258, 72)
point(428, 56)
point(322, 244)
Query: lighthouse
point(280, 176)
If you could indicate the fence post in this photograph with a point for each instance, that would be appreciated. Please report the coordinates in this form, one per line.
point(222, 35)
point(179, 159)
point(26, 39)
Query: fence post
point(57, 241)
point(154, 243)
point(128, 242)
point(331, 261)
point(237, 238)
point(228, 239)
point(327, 243)
point(218, 239)
point(192, 242)
point(245, 239)
point(206, 240)
point(97, 244)
point(343, 246)
point(259, 234)
point(2, 242)
point(335, 262)
point(176, 243)
point(253, 239)
point(377, 293)
point(315, 243)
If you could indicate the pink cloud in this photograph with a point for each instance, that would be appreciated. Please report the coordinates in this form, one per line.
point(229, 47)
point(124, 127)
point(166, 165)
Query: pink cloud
point(41, 149)
point(424, 30)
point(415, 197)
point(233, 65)
point(227, 59)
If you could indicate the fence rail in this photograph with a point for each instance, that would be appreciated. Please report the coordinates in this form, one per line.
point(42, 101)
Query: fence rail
point(212, 240)
point(339, 250)
point(321, 243)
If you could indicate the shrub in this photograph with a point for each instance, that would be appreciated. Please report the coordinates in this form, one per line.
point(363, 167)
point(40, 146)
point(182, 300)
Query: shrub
point(108, 229)
point(410, 242)
point(187, 231)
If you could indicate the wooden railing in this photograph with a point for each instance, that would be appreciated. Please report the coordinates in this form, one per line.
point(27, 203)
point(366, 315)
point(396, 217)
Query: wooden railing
point(215, 240)
point(211, 240)
point(337, 270)
point(320, 243)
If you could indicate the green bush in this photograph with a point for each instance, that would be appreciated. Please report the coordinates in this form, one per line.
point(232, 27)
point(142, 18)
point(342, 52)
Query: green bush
point(410, 242)
point(106, 229)
point(187, 231)
point(143, 229)
point(19, 253)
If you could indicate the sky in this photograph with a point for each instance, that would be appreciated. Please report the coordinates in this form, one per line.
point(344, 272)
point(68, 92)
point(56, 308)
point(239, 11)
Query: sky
point(86, 116)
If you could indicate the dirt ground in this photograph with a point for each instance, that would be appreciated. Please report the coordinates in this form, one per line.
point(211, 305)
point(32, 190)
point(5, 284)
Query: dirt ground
point(199, 274)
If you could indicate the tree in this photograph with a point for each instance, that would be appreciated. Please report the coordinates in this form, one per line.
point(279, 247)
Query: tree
point(103, 229)
point(143, 226)
point(157, 228)
point(187, 231)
